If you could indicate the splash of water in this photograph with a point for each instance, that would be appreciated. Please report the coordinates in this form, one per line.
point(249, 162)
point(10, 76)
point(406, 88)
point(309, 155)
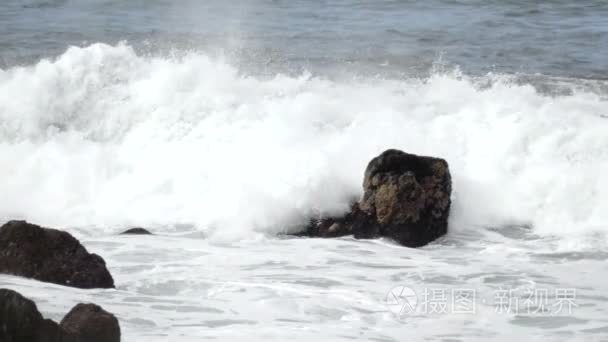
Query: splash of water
point(102, 137)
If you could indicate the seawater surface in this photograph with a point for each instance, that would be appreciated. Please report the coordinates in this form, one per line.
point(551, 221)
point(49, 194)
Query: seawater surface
point(221, 126)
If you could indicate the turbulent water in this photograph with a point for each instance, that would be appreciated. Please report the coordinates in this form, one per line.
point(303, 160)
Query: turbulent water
point(223, 125)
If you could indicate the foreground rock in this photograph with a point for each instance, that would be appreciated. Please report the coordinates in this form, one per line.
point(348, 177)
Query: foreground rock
point(406, 197)
point(20, 321)
point(91, 323)
point(50, 255)
point(136, 231)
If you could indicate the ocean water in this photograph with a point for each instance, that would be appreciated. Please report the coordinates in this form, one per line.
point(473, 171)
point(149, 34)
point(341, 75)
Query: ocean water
point(221, 126)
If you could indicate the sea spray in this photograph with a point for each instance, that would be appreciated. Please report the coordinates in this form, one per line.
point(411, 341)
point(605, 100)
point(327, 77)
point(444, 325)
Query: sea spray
point(103, 137)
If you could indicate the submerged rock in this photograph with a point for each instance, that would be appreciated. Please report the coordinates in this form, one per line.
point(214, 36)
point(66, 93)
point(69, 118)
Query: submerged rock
point(136, 231)
point(91, 323)
point(406, 197)
point(50, 255)
point(20, 321)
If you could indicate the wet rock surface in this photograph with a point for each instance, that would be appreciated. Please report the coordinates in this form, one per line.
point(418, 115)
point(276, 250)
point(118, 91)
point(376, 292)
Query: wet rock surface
point(91, 323)
point(50, 255)
point(20, 321)
point(406, 198)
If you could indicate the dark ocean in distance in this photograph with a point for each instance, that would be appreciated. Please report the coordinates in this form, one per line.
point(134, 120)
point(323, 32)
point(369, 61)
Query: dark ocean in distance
point(558, 38)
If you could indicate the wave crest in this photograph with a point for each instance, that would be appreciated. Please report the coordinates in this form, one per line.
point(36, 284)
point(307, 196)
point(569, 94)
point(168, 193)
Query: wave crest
point(102, 137)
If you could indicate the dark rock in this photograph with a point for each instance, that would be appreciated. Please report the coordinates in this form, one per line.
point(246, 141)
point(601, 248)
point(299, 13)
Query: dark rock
point(136, 231)
point(50, 255)
point(409, 196)
point(20, 321)
point(356, 222)
point(91, 323)
point(406, 197)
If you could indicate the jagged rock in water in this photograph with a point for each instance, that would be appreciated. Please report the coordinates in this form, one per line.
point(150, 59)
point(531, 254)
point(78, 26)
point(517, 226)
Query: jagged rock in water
point(50, 255)
point(406, 197)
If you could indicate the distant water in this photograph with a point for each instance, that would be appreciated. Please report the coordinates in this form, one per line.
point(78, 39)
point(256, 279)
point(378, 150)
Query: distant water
point(222, 125)
point(559, 38)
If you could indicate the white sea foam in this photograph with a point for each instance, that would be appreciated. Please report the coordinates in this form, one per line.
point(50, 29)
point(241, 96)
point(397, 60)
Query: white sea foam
point(102, 138)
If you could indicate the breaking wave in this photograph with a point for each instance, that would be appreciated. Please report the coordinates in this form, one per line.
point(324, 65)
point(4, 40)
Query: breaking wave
point(102, 137)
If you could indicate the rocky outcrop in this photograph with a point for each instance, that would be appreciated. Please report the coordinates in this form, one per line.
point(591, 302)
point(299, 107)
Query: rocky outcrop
point(91, 323)
point(50, 255)
point(136, 231)
point(20, 321)
point(406, 197)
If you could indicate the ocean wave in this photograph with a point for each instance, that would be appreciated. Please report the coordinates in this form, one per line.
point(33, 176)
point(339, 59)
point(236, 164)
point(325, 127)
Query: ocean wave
point(101, 137)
